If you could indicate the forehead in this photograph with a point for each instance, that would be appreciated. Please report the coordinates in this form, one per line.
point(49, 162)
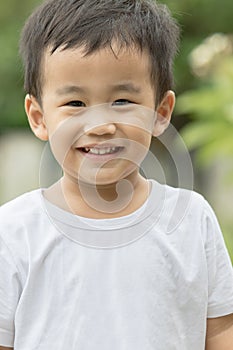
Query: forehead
point(104, 64)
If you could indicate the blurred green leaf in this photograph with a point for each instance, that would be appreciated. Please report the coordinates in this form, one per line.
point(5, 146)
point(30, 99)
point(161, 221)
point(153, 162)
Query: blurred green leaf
point(211, 109)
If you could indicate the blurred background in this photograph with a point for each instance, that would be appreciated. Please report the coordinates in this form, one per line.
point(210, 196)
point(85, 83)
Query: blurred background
point(203, 115)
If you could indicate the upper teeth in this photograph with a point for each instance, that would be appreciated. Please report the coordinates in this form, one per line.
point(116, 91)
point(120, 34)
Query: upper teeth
point(101, 151)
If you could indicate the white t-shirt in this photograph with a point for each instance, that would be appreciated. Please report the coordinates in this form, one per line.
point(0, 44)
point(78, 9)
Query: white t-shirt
point(144, 281)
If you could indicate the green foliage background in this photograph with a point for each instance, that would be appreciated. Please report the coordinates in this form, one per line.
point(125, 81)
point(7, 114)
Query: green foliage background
point(201, 115)
point(12, 16)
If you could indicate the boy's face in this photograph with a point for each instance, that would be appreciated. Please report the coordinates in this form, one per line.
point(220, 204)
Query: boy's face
point(98, 111)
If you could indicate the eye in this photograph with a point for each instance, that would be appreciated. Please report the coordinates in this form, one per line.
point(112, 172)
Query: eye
point(75, 104)
point(121, 102)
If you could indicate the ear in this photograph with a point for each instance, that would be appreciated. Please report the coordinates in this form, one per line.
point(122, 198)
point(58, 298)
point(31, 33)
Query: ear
point(36, 117)
point(164, 113)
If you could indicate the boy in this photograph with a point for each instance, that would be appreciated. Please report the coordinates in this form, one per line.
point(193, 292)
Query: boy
point(90, 263)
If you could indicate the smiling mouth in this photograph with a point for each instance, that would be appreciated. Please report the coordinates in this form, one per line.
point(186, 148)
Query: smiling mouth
point(101, 151)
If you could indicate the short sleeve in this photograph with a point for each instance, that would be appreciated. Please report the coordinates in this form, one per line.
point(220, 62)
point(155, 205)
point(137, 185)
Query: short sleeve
point(10, 290)
point(220, 272)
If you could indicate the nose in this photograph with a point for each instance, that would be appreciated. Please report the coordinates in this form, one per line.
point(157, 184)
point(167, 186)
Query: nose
point(102, 129)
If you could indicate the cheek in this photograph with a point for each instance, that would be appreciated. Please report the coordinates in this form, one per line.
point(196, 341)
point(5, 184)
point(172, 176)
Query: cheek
point(62, 136)
point(140, 136)
point(139, 144)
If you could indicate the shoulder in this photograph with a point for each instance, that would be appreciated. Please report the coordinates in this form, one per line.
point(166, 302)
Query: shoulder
point(20, 209)
point(183, 196)
point(180, 207)
point(20, 202)
point(18, 219)
point(180, 196)
point(25, 229)
point(24, 217)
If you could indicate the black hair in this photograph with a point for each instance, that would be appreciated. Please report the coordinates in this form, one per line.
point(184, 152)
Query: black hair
point(95, 24)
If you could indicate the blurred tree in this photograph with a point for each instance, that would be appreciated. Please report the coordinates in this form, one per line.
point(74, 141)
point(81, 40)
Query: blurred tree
point(12, 16)
point(210, 106)
point(198, 19)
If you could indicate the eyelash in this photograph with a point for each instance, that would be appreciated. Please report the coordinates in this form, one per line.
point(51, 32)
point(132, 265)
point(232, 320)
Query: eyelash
point(79, 104)
point(122, 102)
point(75, 104)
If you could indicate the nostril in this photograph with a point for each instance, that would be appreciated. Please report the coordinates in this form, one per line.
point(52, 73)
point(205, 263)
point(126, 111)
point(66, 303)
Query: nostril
point(102, 129)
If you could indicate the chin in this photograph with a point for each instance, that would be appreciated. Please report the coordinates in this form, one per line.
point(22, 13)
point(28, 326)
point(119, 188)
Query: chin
point(103, 176)
point(98, 181)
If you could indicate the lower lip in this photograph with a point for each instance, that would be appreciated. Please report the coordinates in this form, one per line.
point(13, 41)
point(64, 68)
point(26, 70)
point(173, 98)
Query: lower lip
point(102, 157)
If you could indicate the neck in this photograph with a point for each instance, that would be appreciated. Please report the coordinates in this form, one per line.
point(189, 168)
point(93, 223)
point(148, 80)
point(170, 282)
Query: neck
point(99, 201)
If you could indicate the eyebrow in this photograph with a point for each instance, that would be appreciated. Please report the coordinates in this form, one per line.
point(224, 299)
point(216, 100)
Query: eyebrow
point(70, 89)
point(124, 87)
